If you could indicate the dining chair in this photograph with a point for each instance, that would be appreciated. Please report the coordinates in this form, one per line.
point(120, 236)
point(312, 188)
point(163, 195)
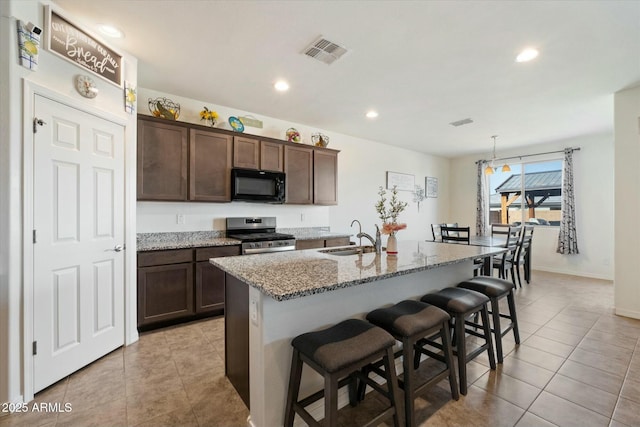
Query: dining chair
point(522, 253)
point(504, 262)
point(435, 232)
point(455, 234)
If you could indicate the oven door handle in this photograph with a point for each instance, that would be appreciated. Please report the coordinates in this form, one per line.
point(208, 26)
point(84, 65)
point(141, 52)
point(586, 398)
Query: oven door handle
point(266, 250)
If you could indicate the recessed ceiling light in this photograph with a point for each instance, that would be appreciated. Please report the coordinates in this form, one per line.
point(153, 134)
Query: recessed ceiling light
point(372, 114)
point(281, 86)
point(110, 31)
point(527, 55)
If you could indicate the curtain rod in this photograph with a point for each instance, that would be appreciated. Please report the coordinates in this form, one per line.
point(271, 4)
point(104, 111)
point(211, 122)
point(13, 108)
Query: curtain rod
point(528, 155)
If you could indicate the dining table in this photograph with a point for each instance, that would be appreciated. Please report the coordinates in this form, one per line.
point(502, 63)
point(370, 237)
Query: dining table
point(494, 241)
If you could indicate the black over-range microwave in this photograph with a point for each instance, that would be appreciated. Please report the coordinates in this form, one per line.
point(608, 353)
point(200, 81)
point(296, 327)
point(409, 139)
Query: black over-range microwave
point(251, 185)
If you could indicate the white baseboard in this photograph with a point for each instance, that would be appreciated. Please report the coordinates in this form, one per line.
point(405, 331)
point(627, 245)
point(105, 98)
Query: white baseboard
point(628, 313)
point(18, 400)
point(573, 273)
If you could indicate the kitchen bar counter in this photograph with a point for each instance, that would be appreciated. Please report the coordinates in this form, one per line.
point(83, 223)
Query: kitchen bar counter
point(288, 275)
point(182, 240)
point(272, 298)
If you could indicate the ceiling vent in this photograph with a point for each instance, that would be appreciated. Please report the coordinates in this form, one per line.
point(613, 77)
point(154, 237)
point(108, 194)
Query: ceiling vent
point(461, 122)
point(325, 51)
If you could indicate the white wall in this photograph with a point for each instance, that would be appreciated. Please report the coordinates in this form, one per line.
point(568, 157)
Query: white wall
point(627, 202)
point(362, 167)
point(56, 75)
point(594, 186)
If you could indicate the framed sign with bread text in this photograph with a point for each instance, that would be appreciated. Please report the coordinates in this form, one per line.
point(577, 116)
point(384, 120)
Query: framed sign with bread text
point(71, 42)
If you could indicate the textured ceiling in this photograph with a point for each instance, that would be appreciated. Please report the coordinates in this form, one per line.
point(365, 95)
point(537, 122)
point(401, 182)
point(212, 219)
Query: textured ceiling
point(421, 64)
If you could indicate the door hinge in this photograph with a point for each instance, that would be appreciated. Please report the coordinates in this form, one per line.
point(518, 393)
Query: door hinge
point(35, 348)
point(35, 240)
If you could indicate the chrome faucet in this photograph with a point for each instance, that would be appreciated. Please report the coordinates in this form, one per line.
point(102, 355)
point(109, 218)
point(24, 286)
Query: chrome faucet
point(377, 243)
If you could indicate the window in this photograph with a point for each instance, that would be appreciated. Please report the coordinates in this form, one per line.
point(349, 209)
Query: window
point(541, 184)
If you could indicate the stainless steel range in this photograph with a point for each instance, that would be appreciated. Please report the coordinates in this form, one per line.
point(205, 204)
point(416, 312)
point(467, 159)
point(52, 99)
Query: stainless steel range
point(258, 235)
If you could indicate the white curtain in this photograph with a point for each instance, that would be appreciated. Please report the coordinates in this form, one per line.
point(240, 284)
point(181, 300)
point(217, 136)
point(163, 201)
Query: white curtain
point(567, 239)
point(482, 205)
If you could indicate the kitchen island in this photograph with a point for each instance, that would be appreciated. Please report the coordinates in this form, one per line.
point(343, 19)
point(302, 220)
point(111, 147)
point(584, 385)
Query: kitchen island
point(271, 298)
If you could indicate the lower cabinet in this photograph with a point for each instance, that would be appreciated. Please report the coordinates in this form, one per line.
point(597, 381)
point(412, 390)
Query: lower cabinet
point(180, 285)
point(321, 243)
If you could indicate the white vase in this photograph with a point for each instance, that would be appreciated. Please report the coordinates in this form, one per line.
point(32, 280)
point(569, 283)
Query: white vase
point(392, 245)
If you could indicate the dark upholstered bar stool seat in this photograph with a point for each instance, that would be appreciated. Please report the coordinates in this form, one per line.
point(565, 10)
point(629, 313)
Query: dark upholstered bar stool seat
point(338, 353)
point(409, 321)
point(461, 303)
point(496, 289)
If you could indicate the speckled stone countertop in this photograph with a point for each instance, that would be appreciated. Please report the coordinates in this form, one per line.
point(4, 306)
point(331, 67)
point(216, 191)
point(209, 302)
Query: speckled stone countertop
point(288, 275)
point(182, 240)
point(311, 233)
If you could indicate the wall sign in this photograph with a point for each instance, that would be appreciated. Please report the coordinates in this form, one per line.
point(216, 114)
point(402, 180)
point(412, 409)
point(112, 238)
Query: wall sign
point(431, 185)
point(72, 43)
point(403, 181)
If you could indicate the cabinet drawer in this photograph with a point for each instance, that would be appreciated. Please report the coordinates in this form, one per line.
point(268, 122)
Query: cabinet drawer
point(337, 241)
point(309, 244)
point(174, 256)
point(204, 254)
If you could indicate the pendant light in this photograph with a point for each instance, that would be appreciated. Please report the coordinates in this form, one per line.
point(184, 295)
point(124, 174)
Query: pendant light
point(489, 170)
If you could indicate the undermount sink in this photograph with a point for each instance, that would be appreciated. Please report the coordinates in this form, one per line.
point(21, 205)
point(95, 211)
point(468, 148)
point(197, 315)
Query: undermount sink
point(352, 250)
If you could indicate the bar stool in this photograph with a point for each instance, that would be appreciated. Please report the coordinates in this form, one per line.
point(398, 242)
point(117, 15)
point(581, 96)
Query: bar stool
point(338, 353)
point(496, 289)
point(461, 303)
point(409, 321)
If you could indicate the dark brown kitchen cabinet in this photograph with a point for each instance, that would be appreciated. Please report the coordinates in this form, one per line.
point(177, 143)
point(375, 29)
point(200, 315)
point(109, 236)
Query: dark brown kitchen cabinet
point(246, 153)
point(162, 161)
point(322, 243)
point(250, 153)
point(180, 285)
point(298, 167)
point(325, 177)
point(210, 159)
point(165, 286)
point(271, 156)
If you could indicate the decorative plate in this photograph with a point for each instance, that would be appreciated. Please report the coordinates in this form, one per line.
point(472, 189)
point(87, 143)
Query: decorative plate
point(236, 124)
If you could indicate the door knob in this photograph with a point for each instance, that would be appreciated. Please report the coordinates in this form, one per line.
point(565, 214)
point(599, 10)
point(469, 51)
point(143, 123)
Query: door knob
point(117, 248)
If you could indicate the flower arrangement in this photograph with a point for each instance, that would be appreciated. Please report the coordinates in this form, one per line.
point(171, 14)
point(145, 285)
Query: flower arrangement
point(389, 215)
point(209, 115)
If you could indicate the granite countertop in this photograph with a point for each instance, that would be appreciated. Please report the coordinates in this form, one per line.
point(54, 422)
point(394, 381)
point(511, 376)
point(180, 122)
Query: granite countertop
point(182, 240)
point(288, 275)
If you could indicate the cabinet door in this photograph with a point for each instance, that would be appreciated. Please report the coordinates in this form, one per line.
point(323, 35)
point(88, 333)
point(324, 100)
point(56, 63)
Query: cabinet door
point(309, 244)
point(165, 293)
point(336, 241)
point(271, 156)
point(209, 288)
point(210, 166)
point(162, 161)
point(325, 177)
point(246, 153)
point(298, 167)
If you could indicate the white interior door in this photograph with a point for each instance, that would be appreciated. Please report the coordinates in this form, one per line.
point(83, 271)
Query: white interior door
point(79, 232)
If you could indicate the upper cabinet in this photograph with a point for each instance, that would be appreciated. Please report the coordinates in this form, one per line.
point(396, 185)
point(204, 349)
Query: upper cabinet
point(162, 161)
point(298, 168)
point(251, 153)
point(186, 162)
point(325, 177)
point(209, 166)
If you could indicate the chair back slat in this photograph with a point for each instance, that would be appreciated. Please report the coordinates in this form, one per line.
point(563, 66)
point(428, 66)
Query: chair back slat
point(524, 243)
point(455, 234)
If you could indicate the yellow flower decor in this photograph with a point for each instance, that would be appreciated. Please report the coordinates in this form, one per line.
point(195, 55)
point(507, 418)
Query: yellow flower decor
point(209, 116)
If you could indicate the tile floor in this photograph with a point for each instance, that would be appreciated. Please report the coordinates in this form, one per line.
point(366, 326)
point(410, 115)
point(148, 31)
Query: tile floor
point(578, 365)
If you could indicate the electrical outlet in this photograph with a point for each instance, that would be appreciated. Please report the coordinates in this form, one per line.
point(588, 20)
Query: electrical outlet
point(253, 311)
point(301, 217)
point(180, 219)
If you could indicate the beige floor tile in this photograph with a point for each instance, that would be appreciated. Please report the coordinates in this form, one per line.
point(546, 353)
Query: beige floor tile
point(537, 357)
point(510, 389)
point(527, 372)
point(220, 410)
point(530, 420)
point(559, 336)
point(548, 345)
point(606, 348)
point(627, 412)
point(87, 392)
point(29, 418)
point(567, 327)
point(194, 360)
point(583, 394)
point(142, 408)
point(631, 389)
point(600, 361)
point(179, 418)
point(593, 376)
point(611, 338)
point(110, 414)
point(564, 413)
